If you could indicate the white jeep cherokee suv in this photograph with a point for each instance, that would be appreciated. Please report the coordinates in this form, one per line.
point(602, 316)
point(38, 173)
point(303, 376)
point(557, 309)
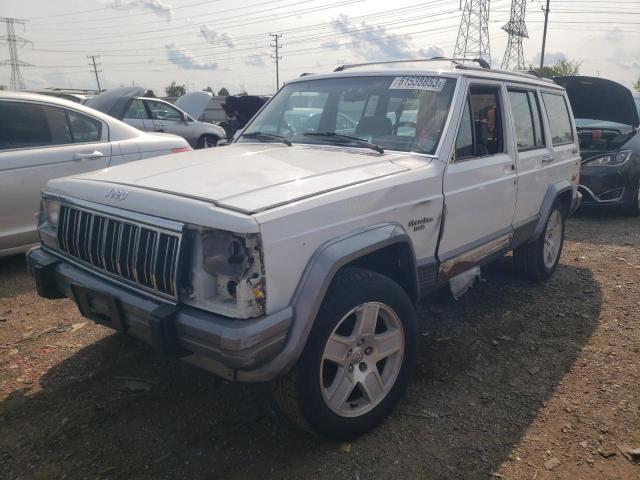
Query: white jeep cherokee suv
point(297, 254)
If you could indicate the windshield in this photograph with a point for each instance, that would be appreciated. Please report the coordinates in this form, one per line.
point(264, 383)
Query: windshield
point(404, 113)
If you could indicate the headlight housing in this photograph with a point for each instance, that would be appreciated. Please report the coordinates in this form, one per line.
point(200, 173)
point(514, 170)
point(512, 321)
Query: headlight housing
point(48, 221)
point(226, 274)
point(615, 159)
point(51, 211)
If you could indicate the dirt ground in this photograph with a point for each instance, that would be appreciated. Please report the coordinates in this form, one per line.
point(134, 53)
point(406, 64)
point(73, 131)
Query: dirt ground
point(515, 380)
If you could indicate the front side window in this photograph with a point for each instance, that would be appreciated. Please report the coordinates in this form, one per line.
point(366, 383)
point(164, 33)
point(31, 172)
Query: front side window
point(83, 128)
point(396, 113)
point(163, 111)
point(27, 125)
point(559, 119)
point(481, 132)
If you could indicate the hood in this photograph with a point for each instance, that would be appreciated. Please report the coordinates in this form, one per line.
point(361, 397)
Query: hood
point(115, 102)
point(600, 99)
point(194, 103)
point(249, 178)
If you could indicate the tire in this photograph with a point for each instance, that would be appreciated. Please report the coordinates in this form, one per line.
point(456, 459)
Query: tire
point(534, 260)
point(304, 393)
point(207, 141)
point(633, 207)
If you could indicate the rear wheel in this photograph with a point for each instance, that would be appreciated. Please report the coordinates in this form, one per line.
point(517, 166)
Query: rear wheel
point(208, 141)
point(358, 357)
point(539, 259)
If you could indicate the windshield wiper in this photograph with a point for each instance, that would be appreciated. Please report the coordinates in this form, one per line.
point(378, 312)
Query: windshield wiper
point(338, 136)
point(258, 135)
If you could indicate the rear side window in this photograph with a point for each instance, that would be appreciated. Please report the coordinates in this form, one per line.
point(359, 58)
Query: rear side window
point(27, 125)
point(526, 118)
point(137, 110)
point(84, 128)
point(559, 119)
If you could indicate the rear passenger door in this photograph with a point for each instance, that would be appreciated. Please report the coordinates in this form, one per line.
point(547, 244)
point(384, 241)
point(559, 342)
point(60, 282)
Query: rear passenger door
point(479, 184)
point(525, 108)
point(39, 142)
point(138, 116)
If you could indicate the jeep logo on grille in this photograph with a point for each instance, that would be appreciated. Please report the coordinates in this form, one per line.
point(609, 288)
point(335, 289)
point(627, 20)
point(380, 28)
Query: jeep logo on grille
point(116, 194)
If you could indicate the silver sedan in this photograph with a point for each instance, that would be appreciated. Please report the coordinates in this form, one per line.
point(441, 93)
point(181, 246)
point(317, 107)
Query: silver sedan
point(43, 137)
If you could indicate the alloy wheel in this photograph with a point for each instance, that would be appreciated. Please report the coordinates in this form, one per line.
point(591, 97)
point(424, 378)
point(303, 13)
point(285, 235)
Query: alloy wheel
point(552, 239)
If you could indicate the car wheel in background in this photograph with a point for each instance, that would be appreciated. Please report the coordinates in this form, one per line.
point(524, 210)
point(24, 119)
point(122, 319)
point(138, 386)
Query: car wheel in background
point(633, 207)
point(357, 360)
point(539, 259)
point(207, 141)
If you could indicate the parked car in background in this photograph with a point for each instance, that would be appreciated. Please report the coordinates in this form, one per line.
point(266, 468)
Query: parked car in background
point(239, 110)
point(299, 257)
point(156, 115)
point(607, 119)
point(43, 137)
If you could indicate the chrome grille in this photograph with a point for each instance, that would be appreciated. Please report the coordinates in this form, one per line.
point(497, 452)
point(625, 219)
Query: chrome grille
point(142, 255)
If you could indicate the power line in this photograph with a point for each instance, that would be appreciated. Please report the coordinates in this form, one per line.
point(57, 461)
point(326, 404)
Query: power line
point(276, 48)
point(95, 68)
point(13, 41)
point(473, 33)
point(517, 30)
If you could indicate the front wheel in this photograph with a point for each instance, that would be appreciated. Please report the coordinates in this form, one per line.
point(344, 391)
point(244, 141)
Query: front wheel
point(358, 357)
point(539, 259)
point(207, 141)
point(633, 207)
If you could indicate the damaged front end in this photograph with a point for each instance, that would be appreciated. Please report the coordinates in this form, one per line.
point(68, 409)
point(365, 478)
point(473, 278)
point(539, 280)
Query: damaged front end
point(225, 273)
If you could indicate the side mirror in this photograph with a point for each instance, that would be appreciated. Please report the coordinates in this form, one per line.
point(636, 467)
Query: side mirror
point(185, 118)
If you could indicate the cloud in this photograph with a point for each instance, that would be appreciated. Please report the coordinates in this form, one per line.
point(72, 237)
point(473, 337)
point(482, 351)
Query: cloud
point(615, 35)
point(184, 59)
point(211, 36)
point(550, 58)
point(159, 7)
point(372, 42)
point(255, 60)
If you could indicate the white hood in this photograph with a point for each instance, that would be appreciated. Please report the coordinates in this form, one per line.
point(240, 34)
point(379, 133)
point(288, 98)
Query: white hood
point(194, 103)
point(249, 178)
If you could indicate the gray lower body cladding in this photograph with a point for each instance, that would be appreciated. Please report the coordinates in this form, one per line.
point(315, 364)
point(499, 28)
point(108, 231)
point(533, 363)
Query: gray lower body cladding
point(222, 345)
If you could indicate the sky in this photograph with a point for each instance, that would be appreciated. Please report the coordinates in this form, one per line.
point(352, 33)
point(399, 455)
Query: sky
point(227, 43)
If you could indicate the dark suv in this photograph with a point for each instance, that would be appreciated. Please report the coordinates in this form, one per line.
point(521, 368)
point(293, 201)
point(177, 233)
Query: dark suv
point(607, 121)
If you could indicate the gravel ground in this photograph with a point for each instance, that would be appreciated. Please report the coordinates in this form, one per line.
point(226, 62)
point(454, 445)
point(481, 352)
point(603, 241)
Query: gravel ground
point(515, 380)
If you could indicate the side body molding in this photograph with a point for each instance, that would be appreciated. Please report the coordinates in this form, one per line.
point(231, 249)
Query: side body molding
point(313, 285)
point(553, 192)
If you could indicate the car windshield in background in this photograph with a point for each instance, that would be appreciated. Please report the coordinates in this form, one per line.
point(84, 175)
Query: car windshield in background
point(405, 113)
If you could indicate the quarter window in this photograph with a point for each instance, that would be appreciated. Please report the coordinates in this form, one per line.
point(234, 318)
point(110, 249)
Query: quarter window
point(84, 129)
point(28, 125)
point(559, 119)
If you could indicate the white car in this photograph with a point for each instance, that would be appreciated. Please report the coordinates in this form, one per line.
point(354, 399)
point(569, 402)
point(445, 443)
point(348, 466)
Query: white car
point(44, 137)
point(298, 257)
point(156, 115)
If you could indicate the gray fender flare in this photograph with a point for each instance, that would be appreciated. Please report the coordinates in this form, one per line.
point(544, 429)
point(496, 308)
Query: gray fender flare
point(553, 192)
point(313, 285)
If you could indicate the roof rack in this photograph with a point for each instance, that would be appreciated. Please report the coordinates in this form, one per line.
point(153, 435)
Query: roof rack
point(483, 63)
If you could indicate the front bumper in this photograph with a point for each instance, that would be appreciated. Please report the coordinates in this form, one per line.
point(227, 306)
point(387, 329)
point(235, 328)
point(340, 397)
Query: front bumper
point(601, 185)
point(224, 346)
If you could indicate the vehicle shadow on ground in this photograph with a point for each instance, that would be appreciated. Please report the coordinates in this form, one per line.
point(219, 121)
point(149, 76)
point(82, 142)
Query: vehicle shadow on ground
point(15, 278)
point(486, 365)
point(613, 227)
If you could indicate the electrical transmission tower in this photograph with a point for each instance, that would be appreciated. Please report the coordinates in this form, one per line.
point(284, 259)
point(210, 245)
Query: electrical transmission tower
point(517, 30)
point(95, 68)
point(276, 47)
point(11, 39)
point(473, 34)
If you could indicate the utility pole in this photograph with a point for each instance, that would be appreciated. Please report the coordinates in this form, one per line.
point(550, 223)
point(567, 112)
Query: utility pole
point(95, 69)
point(517, 30)
point(14, 41)
point(544, 35)
point(473, 34)
point(276, 46)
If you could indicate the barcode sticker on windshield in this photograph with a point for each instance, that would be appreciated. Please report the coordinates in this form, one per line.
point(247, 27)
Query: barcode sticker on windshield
point(418, 83)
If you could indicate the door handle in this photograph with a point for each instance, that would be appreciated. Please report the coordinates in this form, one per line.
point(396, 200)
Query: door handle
point(88, 156)
point(548, 159)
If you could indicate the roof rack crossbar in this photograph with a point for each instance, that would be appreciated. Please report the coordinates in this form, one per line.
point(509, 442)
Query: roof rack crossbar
point(483, 63)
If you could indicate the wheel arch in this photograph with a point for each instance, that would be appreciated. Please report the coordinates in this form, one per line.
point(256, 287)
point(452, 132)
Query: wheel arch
point(563, 191)
point(365, 248)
